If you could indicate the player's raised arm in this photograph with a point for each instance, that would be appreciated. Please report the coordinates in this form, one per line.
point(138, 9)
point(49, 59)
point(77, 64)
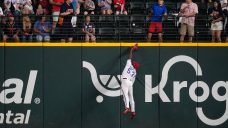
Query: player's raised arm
point(135, 47)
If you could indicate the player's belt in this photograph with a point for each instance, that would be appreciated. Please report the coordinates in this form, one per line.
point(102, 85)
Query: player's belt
point(127, 79)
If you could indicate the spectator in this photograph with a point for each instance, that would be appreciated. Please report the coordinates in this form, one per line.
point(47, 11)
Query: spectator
point(11, 30)
point(120, 7)
point(216, 25)
point(43, 7)
point(7, 6)
point(188, 12)
point(158, 10)
point(105, 6)
point(226, 33)
point(80, 2)
point(18, 6)
point(42, 29)
point(28, 8)
point(224, 5)
point(55, 11)
point(89, 30)
point(1, 24)
point(75, 6)
point(89, 7)
point(1, 12)
point(67, 12)
point(27, 29)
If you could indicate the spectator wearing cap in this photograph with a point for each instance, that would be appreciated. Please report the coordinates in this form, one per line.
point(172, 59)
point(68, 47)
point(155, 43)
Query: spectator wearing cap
point(89, 30)
point(55, 11)
point(105, 6)
point(42, 29)
point(120, 7)
point(216, 25)
point(89, 7)
point(188, 12)
point(158, 10)
point(11, 30)
point(27, 29)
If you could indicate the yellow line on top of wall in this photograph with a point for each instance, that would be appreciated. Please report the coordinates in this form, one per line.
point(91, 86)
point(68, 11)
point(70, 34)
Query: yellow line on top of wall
point(112, 44)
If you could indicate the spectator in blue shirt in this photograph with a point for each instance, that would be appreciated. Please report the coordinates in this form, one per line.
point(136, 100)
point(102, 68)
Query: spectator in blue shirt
point(42, 29)
point(158, 10)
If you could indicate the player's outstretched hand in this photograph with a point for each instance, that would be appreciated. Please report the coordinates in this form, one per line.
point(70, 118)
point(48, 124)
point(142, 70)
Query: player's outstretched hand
point(135, 47)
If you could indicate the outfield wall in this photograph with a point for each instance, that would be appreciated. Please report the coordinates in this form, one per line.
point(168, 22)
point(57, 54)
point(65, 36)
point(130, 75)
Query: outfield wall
point(55, 85)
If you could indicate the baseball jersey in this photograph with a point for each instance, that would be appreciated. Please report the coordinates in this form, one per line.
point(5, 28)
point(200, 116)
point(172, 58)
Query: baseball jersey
point(129, 71)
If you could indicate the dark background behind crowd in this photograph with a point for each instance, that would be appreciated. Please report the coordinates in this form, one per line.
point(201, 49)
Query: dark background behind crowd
point(102, 20)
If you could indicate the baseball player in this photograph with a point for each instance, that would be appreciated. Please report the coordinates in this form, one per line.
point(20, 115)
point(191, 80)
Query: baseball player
point(128, 79)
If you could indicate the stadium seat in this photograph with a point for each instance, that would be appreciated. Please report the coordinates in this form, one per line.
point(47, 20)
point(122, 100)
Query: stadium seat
point(148, 7)
point(124, 34)
point(136, 8)
point(107, 21)
point(107, 34)
point(123, 21)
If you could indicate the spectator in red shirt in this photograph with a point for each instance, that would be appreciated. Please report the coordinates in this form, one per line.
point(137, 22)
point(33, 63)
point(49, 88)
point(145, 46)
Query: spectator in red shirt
point(43, 7)
point(120, 7)
point(55, 11)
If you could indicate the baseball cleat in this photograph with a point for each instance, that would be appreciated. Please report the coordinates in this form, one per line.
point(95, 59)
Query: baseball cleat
point(133, 115)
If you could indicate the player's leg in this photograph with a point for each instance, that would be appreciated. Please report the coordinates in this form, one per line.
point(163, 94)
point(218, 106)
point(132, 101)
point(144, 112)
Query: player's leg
point(131, 98)
point(132, 102)
point(125, 87)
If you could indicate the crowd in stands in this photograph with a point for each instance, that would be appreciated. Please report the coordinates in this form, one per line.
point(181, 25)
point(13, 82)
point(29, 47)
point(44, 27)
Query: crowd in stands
point(30, 21)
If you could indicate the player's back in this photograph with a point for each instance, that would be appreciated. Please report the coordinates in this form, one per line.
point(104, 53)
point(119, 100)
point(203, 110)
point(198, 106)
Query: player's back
point(129, 71)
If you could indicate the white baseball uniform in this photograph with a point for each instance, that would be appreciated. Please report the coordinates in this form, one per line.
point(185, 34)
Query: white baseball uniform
point(128, 79)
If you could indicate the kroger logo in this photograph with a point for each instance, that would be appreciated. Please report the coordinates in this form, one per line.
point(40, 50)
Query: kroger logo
point(110, 86)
